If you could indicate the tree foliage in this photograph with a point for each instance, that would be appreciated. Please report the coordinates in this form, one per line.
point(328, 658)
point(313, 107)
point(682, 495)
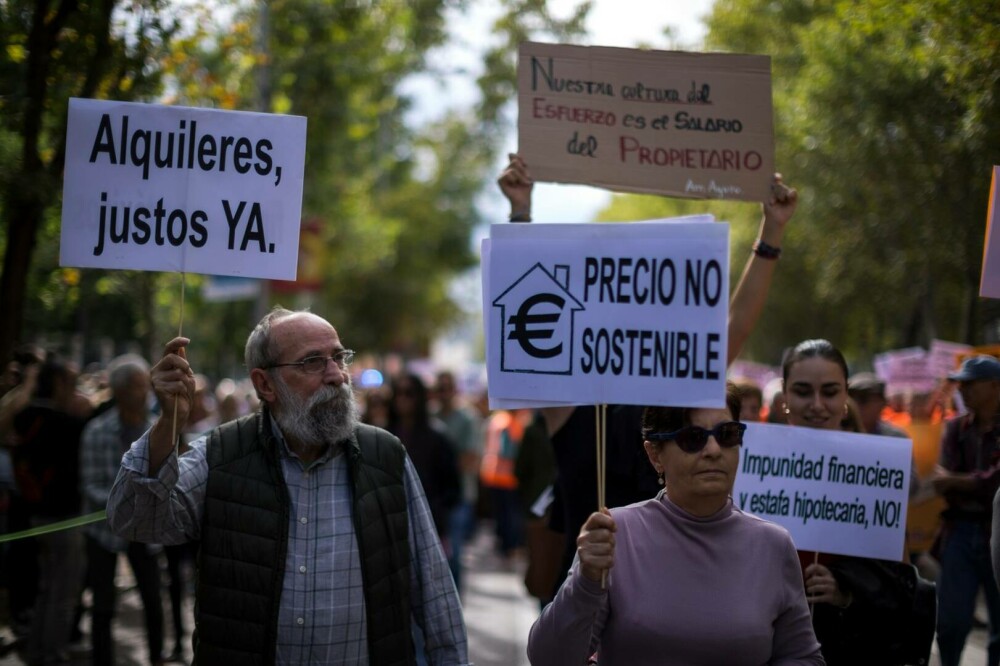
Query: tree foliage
point(886, 121)
point(396, 201)
point(53, 51)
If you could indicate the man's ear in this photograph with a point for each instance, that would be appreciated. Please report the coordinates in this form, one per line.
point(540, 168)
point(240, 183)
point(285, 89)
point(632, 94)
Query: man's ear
point(263, 383)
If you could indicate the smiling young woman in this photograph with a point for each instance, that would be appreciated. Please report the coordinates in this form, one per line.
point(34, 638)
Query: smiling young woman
point(865, 611)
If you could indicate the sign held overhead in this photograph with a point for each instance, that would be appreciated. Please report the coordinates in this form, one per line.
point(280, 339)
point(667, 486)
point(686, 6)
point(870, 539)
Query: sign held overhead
point(695, 125)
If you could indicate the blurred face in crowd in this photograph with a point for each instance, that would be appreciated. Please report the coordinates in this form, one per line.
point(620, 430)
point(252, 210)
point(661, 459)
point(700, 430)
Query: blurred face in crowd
point(816, 393)
point(315, 409)
point(750, 409)
point(404, 397)
point(445, 389)
point(870, 406)
point(698, 482)
point(133, 395)
point(980, 395)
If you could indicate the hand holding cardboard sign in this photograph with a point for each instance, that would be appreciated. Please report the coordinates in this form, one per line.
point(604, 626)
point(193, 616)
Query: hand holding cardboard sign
point(780, 205)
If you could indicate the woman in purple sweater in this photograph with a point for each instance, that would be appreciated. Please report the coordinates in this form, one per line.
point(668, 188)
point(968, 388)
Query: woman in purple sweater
point(696, 582)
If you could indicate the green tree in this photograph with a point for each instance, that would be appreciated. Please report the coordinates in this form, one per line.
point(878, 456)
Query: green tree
point(886, 120)
point(397, 201)
point(53, 51)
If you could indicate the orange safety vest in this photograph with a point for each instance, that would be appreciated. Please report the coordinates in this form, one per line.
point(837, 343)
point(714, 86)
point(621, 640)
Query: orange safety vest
point(503, 437)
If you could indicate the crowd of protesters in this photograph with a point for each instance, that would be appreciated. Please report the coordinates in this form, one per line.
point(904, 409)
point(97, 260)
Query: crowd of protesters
point(530, 475)
point(65, 431)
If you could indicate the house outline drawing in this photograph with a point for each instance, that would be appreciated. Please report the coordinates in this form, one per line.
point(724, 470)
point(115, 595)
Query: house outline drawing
point(538, 286)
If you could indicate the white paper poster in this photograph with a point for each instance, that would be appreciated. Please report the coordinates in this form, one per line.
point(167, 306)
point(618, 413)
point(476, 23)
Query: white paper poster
point(150, 187)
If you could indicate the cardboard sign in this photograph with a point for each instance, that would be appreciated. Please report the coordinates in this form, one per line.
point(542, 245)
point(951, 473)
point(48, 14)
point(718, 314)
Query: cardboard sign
point(989, 285)
point(607, 313)
point(169, 188)
point(696, 125)
point(835, 492)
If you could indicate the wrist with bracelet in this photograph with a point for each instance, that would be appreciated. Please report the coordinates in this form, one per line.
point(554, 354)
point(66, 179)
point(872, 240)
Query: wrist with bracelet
point(766, 251)
point(520, 216)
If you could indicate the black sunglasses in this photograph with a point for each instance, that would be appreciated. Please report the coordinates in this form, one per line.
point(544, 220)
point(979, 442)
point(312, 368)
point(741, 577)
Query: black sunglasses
point(693, 439)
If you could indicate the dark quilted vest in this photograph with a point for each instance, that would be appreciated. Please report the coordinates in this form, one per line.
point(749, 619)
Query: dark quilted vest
point(241, 560)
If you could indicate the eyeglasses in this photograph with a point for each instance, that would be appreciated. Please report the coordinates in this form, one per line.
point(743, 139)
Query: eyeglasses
point(693, 439)
point(314, 365)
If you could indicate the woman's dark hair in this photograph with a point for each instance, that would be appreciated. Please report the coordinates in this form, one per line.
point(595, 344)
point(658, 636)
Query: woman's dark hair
point(669, 419)
point(812, 349)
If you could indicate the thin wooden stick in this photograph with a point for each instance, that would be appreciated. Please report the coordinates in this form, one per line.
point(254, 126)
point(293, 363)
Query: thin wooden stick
point(597, 439)
point(180, 329)
point(601, 412)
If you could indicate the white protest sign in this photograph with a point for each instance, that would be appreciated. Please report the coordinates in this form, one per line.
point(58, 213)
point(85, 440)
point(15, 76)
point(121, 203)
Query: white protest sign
point(600, 313)
point(835, 492)
point(151, 187)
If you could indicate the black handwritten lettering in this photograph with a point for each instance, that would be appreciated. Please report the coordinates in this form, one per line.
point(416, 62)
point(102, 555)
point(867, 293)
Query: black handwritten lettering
point(557, 84)
point(685, 121)
point(585, 147)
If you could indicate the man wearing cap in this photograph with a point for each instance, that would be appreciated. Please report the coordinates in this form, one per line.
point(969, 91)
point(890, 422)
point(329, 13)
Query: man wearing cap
point(968, 477)
point(868, 392)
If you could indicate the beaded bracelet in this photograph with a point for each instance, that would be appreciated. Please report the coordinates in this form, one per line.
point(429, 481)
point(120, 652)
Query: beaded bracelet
point(520, 216)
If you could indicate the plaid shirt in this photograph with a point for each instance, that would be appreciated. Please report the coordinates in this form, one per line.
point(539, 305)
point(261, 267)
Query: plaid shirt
point(321, 619)
point(100, 457)
point(967, 450)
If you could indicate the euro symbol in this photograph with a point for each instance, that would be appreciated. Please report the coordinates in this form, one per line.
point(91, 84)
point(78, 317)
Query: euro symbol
point(524, 318)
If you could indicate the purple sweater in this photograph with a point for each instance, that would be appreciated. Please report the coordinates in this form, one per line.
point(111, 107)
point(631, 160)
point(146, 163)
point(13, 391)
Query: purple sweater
point(684, 591)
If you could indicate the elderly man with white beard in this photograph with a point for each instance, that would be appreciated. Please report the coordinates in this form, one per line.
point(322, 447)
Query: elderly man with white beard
point(317, 545)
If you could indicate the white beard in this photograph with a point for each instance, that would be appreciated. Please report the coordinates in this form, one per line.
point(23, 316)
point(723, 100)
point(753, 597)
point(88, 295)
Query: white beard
point(328, 417)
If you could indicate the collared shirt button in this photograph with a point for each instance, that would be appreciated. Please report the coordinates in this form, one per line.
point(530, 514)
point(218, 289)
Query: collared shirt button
point(303, 520)
point(300, 621)
point(302, 569)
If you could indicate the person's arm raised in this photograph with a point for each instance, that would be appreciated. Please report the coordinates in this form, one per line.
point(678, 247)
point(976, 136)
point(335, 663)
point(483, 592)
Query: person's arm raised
point(516, 184)
point(173, 383)
point(751, 292)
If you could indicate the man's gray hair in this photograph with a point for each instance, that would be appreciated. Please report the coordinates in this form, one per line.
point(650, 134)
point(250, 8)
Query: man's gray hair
point(259, 351)
point(123, 368)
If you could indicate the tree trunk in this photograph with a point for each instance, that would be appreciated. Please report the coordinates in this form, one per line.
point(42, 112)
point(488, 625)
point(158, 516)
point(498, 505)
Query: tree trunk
point(24, 213)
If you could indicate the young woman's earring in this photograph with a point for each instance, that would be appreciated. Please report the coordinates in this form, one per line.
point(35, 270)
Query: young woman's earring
point(660, 477)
